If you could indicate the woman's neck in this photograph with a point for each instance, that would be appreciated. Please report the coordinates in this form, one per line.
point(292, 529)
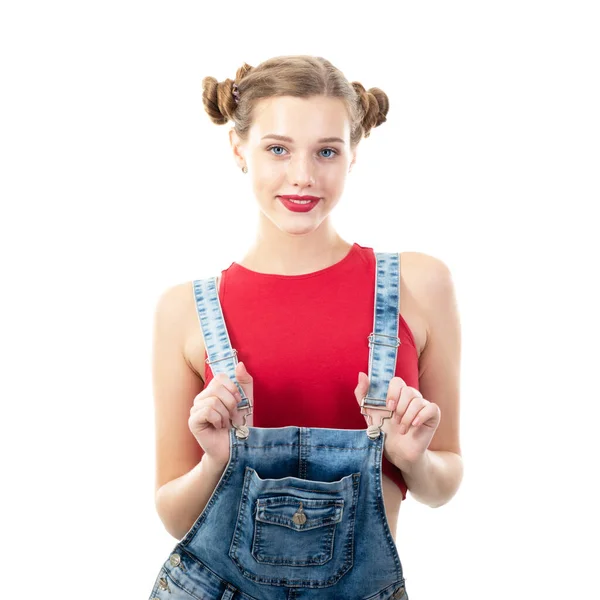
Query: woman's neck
point(295, 255)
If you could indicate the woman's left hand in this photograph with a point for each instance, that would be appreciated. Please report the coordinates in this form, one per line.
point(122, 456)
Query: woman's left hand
point(418, 416)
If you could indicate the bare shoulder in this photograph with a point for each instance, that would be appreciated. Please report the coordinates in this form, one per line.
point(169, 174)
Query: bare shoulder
point(173, 300)
point(439, 363)
point(411, 290)
point(431, 284)
point(424, 281)
point(426, 274)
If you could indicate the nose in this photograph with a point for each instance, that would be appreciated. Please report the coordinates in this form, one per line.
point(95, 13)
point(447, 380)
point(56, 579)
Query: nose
point(301, 172)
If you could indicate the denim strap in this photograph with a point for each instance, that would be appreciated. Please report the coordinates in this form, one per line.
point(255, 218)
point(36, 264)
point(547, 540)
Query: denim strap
point(221, 357)
point(384, 340)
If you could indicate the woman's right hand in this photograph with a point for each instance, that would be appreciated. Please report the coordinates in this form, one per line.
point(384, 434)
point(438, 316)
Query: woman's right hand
point(212, 410)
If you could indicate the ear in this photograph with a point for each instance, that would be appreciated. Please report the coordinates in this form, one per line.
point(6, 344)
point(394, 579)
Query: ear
point(236, 144)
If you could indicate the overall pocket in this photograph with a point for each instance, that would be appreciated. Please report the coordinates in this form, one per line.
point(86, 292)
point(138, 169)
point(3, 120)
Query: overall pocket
point(295, 531)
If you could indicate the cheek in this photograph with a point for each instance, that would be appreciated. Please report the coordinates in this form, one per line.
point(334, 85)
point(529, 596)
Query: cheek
point(266, 173)
point(334, 177)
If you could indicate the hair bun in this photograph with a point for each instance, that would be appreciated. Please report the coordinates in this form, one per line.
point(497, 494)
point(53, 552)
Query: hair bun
point(375, 106)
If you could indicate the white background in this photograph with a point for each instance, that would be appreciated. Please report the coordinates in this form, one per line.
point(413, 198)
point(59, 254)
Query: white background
point(115, 184)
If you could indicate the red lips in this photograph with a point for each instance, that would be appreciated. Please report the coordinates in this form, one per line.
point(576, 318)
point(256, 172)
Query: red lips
point(301, 197)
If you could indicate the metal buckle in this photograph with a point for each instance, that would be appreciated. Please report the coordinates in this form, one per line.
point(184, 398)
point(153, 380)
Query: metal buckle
point(372, 341)
point(234, 355)
point(374, 431)
point(242, 431)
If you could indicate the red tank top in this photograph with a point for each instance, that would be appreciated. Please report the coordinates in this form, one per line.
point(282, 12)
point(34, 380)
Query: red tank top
point(303, 338)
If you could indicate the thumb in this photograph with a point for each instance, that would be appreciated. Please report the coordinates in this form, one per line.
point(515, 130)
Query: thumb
point(244, 379)
point(363, 386)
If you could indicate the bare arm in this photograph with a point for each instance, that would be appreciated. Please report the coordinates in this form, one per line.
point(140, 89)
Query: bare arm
point(185, 480)
point(436, 477)
point(180, 502)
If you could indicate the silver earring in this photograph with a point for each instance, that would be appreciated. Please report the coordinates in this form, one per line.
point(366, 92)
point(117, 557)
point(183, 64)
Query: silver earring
point(244, 169)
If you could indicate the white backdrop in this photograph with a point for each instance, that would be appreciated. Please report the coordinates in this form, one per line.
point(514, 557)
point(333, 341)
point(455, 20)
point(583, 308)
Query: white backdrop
point(115, 184)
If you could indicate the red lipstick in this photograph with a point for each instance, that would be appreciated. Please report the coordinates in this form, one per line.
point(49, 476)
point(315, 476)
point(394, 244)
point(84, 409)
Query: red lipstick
point(303, 204)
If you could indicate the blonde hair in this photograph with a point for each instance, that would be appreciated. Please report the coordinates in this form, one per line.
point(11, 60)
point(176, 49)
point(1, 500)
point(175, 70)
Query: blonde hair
point(301, 76)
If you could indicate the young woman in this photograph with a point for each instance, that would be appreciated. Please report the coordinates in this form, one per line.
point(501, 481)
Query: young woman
point(264, 471)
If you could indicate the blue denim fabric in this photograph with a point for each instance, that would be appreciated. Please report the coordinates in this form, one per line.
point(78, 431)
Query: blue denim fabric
point(298, 513)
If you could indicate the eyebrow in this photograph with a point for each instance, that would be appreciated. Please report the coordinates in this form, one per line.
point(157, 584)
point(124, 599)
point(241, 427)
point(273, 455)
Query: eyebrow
point(285, 138)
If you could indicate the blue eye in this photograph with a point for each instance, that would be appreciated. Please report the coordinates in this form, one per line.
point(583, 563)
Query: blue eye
point(335, 152)
point(329, 150)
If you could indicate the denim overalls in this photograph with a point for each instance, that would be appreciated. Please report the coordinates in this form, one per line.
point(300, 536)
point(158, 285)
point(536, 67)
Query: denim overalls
point(298, 513)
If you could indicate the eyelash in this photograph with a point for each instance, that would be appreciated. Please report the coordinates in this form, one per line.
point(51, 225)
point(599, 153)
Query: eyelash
point(335, 152)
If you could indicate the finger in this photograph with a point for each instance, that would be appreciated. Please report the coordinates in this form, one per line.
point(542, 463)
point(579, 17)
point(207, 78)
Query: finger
point(221, 391)
point(218, 388)
point(207, 416)
point(397, 384)
point(407, 393)
point(430, 411)
point(417, 404)
point(218, 400)
point(360, 391)
point(245, 380)
point(216, 418)
point(228, 392)
point(215, 404)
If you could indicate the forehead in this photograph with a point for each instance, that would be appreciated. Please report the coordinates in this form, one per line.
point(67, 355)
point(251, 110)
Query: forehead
point(302, 119)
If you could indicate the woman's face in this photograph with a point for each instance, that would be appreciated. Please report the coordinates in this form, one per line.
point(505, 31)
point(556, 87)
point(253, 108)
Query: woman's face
point(301, 165)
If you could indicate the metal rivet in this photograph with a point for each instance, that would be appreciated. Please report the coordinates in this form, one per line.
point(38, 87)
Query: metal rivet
point(175, 559)
point(242, 432)
point(373, 431)
point(162, 584)
point(299, 517)
point(398, 593)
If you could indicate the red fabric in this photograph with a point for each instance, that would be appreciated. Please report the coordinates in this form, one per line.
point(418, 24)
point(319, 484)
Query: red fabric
point(303, 338)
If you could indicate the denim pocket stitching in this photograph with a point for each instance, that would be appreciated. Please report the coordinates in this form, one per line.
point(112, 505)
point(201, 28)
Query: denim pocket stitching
point(266, 511)
point(244, 537)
